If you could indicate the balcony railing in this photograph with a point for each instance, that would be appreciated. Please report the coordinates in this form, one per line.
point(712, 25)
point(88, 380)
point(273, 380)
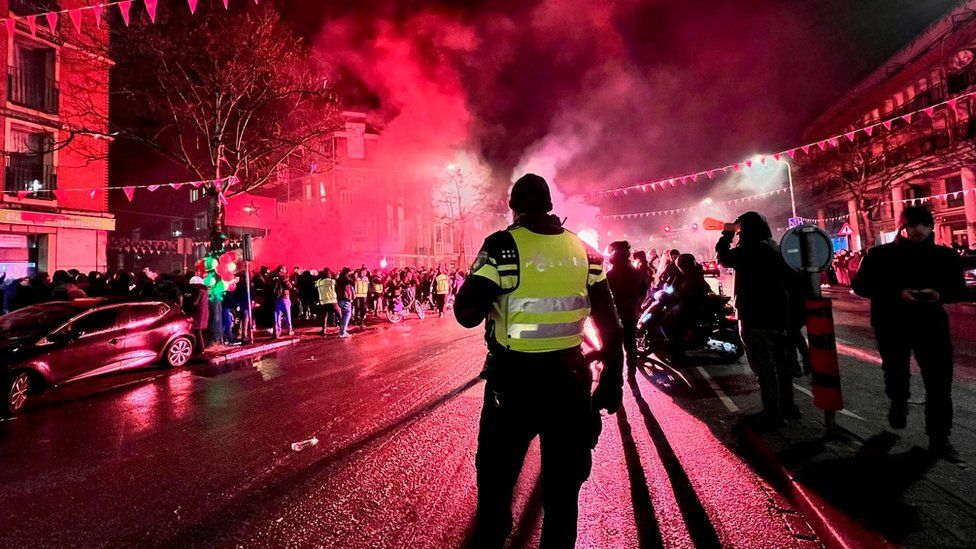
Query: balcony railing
point(33, 90)
point(37, 180)
point(34, 7)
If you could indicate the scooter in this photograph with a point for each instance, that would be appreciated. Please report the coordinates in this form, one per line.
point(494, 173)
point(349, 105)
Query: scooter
point(713, 339)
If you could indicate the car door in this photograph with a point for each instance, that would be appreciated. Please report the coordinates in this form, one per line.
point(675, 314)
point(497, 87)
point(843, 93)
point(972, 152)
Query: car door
point(97, 344)
point(144, 335)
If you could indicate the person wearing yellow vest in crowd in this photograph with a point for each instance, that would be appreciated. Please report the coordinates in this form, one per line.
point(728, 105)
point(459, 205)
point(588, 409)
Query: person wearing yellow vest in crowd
point(328, 300)
point(376, 294)
point(442, 286)
point(534, 284)
point(361, 287)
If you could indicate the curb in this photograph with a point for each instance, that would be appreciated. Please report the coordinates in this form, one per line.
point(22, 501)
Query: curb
point(833, 528)
point(250, 351)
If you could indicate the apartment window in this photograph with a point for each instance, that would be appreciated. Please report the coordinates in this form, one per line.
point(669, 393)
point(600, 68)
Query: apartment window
point(30, 164)
point(137, 234)
point(345, 197)
point(30, 80)
point(176, 227)
point(200, 222)
point(194, 195)
point(954, 185)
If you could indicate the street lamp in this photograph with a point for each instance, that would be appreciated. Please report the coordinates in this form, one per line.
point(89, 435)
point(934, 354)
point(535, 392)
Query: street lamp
point(789, 175)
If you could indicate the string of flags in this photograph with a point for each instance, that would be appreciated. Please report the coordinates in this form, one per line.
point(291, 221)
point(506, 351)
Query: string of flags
point(641, 215)
point(130, 190)
point(77, 15)
point(823, 145)
point(955, 195)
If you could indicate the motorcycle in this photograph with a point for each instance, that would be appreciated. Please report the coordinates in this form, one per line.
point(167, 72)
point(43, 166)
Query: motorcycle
point(714, 337)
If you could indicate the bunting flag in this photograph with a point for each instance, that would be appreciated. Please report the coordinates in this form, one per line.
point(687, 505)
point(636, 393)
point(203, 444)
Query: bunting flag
point(823, 144)
point(124, 7)
point(193, 5)
point(32, 24)
point(75, 15)
point(129, 192)
point(152, 188)
point(22, 194)
point(98, 10)
point(52, 20)
point(226, 4)
point(151, 9)
point(655, 213)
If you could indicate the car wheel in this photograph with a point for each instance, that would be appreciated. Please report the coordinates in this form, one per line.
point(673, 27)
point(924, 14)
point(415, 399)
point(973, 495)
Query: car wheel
point(179, 352)
point(18, 389)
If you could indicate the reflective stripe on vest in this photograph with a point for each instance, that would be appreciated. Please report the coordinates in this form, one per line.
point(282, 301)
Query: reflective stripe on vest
point(443, 284)
point(546, 310)
point(377, 288)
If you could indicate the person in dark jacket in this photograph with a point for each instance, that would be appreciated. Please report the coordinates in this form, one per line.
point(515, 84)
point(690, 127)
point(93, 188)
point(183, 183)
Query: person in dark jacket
point(629, 286)
point(670, 271)
point(908, 281)
point(690, 293)
point(346, 293)
point(761, 290)
point(197, 305)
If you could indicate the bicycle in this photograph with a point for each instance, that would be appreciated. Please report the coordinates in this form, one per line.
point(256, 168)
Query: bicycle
point(401, 309)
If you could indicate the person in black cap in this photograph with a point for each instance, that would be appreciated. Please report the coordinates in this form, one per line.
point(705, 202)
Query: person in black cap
point(534, 285)
point(908, 281)
point(762, 305)
point(629, 288)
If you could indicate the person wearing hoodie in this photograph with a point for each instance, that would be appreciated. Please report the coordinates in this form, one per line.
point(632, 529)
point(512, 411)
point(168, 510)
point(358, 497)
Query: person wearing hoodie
point(761, 289)
point(629, 287)
point(534, 285)
point(197, 305)
point(908, 281)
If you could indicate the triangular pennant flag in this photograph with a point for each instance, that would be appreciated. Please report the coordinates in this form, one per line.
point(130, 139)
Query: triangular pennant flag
point(822, 145)
point(124, 7)
point(928, 111)
point(151, 9)
point(805, 149)
point(52, 20)
point(193, 5)
point(32, 23)
point(832, 142)
point(226, 4)
point(886, 124)
point(952, 103)
point(869, 130)
point(710, 173)
point(93, 193)
point(176, 185)
point(907, 118)
point(58, 195)
point(152, 188)
point(791, 153)
point(849, 136)
point(748, 163)
point(198, 183)
point(11, 24)
point(776, 156)
point(97, 11)
point(75, 15)
point(129, 191)
point(22, 194)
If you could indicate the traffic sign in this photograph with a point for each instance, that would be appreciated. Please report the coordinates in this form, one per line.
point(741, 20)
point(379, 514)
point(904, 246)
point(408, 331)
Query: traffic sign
point(795, 222)
point(806, 248)
point(845, 230)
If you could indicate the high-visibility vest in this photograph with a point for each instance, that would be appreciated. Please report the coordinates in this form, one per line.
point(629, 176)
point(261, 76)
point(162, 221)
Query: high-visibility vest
point(548, 301)
point(443, 284)
point(377, 287)
point(327, 290)
point(362, 287)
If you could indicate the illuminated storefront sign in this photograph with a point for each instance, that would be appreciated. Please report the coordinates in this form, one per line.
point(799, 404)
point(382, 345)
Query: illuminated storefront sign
point(45, 219)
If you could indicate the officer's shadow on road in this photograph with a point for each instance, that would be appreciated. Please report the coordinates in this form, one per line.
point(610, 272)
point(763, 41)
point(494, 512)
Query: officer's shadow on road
point(868, 484)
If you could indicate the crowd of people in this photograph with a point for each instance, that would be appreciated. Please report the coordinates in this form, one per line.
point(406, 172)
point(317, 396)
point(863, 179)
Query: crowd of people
point(280, 298)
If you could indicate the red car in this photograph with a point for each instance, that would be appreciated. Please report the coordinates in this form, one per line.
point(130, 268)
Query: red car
point(54, 343)
point(711, 268)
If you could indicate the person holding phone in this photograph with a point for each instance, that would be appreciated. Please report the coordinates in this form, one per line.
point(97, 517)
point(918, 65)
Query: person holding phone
point(908, 281)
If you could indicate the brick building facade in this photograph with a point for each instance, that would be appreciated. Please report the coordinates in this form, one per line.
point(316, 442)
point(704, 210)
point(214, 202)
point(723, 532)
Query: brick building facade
point(929, 160)
point(50, 218)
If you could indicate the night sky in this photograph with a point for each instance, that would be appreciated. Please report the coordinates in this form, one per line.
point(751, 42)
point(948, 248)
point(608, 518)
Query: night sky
point(605, 93)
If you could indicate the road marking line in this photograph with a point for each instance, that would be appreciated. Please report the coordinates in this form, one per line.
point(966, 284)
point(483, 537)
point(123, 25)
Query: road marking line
point(845, 412)
point(718, 391)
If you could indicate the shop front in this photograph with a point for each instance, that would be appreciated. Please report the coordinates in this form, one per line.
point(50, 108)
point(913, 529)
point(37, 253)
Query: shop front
point(32, 241)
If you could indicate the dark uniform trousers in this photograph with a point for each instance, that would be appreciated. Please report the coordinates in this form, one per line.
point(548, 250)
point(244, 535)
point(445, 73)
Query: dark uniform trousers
point(545, 394)
point(927, 335)
point(629, 325)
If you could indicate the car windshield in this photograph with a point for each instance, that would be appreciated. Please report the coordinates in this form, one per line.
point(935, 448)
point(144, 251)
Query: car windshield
point(36, 320)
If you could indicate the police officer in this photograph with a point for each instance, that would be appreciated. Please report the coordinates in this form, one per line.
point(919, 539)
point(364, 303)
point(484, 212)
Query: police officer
point(629, 288)
point(534, 284)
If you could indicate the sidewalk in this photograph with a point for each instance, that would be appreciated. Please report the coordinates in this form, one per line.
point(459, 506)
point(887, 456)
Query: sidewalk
point(219, 354)
point(878, 479)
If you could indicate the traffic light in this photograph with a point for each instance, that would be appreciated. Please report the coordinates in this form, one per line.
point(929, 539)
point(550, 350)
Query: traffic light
point(694, 226)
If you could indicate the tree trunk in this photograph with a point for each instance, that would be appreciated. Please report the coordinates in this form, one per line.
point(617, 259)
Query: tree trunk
point(867, 228)
point(218, 221)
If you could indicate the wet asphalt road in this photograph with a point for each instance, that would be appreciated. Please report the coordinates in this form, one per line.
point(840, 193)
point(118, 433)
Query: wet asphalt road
point(201, 457)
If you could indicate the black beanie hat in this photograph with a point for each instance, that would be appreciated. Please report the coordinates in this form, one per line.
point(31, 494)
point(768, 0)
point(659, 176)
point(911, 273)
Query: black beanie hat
point(917, 215)
point(530, 194)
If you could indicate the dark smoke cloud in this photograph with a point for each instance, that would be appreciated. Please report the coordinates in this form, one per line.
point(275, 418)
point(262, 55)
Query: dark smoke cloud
point(602, 93)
